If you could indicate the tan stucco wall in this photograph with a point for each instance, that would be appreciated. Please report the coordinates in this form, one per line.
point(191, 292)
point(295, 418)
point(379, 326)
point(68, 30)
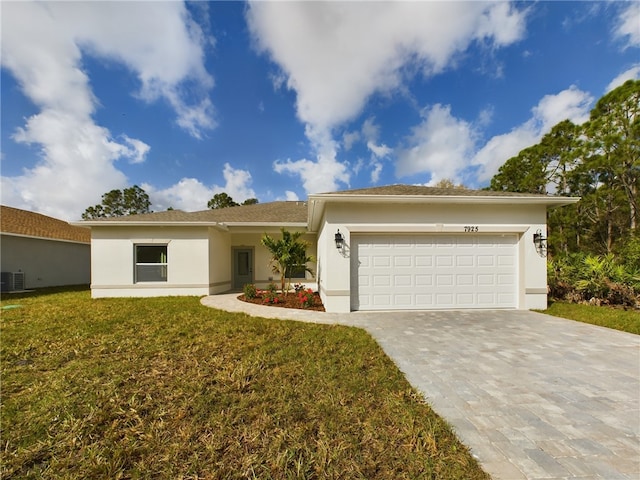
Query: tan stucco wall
point(524, 220)
point(46, 263)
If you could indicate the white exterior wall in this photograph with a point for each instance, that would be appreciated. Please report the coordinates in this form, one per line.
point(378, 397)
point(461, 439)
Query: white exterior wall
point(112, 261)
point(45, 262)
point(334, 265)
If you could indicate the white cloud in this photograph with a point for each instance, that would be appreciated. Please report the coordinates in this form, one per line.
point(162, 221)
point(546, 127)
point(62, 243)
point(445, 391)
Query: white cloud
point(349, 138)
point(291, 196)
point(190, 194)
point(441, 145)
point(237, 184)
point(572, 104)
point(632, 73)
point(43, 44)
point(319, 176)
point(138, 150)
point(335, 55)
point(628, 25)
point(371, 132)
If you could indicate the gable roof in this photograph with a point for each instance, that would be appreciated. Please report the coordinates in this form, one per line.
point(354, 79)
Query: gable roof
point(14, 221)
point(279, 213)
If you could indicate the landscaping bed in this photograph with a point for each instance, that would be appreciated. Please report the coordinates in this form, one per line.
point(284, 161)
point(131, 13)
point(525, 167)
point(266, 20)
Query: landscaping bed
point(290, 300)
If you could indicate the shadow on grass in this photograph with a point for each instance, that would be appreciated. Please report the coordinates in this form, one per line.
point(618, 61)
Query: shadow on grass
point(40, 292)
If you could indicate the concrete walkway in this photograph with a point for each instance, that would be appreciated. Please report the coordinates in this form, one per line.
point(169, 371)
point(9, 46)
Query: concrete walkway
point(533, 396)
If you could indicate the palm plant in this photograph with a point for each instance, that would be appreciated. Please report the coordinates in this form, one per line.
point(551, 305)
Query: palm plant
point(288, 254)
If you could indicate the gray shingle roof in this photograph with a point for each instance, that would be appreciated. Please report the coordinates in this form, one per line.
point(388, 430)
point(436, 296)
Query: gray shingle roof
point(272, 212)
point(430, 191)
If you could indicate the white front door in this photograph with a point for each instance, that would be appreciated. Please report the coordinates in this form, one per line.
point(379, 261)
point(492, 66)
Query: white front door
point(433, 272)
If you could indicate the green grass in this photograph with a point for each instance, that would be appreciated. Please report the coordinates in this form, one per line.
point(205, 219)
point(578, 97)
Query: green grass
point(616, 318)
point(167, 388)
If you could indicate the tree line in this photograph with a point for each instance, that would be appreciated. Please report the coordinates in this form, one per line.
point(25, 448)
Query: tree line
point(598, 161)
point(134, 200)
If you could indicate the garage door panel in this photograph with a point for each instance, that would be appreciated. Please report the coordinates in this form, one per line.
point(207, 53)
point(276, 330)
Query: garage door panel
point(444, 261)
point(424, 260)
point(422, 272)
point(402, 261)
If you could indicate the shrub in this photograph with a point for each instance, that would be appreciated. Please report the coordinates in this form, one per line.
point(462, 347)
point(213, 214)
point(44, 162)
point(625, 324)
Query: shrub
point(250, 291)
point(270, 296)
point(272, 288)
point(306, 298)
point(595, 279)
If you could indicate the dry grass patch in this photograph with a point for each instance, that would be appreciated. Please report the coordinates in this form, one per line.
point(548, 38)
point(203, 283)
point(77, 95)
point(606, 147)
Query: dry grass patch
point(166, 388)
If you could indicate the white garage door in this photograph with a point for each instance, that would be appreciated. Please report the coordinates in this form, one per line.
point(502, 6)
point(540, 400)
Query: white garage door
point(433, 271)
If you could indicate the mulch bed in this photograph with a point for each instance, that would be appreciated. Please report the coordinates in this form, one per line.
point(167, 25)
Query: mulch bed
point(287, 301)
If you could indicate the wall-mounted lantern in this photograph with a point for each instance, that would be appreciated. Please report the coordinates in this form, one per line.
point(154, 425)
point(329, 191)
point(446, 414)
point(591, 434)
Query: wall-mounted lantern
point(339, 240)
point(540, 241)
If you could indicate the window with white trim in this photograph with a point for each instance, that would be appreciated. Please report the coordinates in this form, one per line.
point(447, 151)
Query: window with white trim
point(151, 263)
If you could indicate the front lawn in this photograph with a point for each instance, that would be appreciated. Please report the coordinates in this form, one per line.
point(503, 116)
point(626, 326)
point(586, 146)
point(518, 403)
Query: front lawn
point(167, 388)
point(617, 318)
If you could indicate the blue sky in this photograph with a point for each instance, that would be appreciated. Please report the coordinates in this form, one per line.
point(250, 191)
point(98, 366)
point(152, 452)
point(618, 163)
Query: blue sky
point(276, 100)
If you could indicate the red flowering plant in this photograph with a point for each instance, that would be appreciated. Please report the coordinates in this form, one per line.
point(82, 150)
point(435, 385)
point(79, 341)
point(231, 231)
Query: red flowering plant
point(270, 296)
point(306, 298)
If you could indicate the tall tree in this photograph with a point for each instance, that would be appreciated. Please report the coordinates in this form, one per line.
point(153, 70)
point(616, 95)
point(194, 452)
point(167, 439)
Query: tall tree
point(118, 203)
point(613, 138)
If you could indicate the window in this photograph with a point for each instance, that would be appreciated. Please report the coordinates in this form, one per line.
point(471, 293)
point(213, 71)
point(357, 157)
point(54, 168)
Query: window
point(151, 263)
point(298, 272)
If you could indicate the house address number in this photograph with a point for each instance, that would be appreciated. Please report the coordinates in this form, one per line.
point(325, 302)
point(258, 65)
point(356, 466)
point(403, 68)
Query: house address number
point(471, 228)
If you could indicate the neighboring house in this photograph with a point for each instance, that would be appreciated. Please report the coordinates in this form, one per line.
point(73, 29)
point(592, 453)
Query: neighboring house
point(42, 251)
point(404, 247)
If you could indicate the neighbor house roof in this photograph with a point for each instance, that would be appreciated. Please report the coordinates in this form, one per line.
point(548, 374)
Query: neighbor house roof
point(280, 213)
point(14, 221)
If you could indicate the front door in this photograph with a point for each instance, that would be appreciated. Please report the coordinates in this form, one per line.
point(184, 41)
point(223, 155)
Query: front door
point(242, 267)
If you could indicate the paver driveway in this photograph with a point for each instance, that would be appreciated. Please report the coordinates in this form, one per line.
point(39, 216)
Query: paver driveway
point(533, 396)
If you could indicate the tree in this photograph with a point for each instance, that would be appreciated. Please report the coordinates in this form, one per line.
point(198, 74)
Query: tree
point(224, 200)
point(598, 161)
point(118, 203)
point(613, 139)
point(288, 255)
point(221, 200)
point(448, 183)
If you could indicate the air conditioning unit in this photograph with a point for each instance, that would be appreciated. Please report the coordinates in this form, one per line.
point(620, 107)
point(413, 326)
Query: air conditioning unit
point(12, 281)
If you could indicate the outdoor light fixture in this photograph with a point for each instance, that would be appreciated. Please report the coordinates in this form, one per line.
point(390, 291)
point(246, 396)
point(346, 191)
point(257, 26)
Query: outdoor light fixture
point(339, 240)
point(540, 241)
